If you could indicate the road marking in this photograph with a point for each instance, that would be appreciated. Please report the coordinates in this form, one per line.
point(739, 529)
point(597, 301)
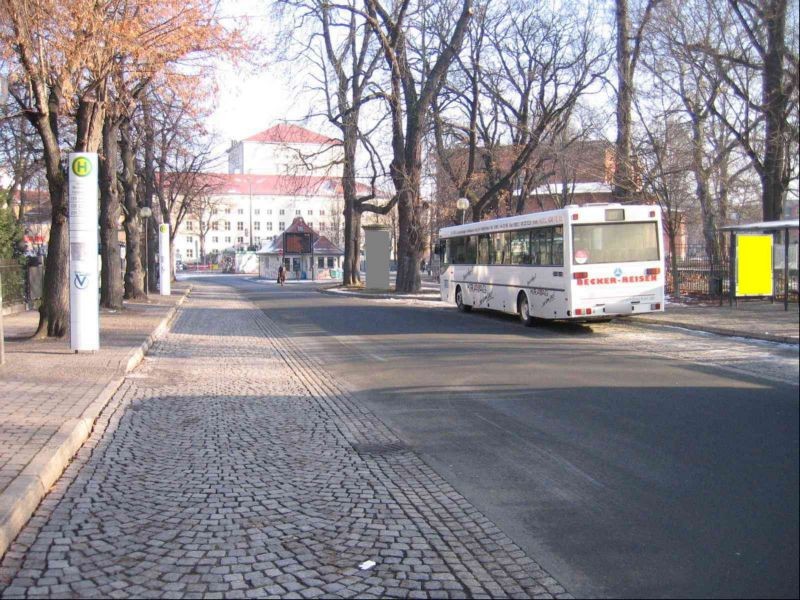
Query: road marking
point(356, 343)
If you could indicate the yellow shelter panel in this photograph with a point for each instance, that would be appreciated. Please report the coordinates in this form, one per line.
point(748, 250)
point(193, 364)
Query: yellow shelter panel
point(754, 276)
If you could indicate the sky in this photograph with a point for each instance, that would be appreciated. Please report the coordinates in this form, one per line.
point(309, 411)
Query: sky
point(252, 98)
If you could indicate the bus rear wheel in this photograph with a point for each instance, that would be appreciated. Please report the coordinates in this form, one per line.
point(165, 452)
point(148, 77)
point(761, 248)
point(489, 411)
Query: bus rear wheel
point(524, 310)
point(460, 301)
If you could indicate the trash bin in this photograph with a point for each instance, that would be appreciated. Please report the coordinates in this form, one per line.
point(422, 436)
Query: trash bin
point(715, 286)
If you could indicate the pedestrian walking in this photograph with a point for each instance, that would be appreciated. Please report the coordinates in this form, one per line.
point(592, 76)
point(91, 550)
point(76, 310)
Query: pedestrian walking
point(281, 275)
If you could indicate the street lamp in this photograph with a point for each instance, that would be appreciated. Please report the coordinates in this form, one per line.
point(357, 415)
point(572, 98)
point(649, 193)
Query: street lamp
point(145, 212)
point(462, 204)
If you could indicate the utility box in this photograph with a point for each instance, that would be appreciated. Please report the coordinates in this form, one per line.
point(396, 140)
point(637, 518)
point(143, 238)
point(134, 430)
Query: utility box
point(377, 246)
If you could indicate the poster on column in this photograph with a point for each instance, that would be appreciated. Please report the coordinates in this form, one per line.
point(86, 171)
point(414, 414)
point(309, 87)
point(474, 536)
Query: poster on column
point(84, 294)
point(164, 264)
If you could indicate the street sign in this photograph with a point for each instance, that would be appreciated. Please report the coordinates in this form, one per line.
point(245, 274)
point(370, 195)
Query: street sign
point(84, 300)
point(164, 264)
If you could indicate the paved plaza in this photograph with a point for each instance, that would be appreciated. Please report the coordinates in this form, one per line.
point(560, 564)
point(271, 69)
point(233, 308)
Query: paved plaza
point(230, 464)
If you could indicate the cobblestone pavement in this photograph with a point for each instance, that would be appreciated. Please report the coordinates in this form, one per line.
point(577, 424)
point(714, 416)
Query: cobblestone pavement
point(229, 465)
point(44, 384)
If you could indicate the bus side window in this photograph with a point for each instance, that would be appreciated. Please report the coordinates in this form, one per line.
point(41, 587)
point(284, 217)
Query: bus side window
point(483, 249)
point(558, 246)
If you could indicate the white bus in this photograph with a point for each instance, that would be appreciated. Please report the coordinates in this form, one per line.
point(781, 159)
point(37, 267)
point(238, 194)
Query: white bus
point(588, 263)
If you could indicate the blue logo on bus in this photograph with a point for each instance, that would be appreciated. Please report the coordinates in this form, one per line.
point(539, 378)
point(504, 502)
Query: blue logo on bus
point(618, 272)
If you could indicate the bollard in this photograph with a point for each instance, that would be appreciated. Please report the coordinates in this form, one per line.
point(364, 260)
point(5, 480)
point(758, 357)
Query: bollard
point(2, 333)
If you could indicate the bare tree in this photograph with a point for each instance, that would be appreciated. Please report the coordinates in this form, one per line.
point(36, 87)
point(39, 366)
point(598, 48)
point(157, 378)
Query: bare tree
point(505, 112)
point(204, 211)
point(757, 59)
point(413, 84)
point(628, 52)
point(182, 155)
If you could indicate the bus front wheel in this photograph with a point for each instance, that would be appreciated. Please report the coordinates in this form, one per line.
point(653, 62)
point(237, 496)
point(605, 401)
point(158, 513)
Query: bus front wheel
point(460, 301)
point(524, 310)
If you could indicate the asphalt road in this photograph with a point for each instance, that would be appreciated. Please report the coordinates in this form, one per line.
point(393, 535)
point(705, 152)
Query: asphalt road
point(623, 474)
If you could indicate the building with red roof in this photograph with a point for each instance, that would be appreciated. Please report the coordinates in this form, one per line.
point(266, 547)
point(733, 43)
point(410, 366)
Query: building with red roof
point(274, 176)
point(303, 252)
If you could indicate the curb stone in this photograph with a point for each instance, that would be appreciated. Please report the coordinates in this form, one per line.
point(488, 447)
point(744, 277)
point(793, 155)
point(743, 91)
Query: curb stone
point(378, 295)
point(20, 499)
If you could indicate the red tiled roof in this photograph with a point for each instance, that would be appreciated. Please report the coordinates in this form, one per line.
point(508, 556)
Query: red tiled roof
point(279, 185)
point(288, 133)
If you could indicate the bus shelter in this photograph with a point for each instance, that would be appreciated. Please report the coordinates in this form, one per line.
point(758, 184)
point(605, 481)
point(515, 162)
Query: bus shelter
point(757, 252)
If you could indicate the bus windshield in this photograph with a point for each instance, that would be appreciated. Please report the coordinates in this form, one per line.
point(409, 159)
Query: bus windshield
point(614, 242)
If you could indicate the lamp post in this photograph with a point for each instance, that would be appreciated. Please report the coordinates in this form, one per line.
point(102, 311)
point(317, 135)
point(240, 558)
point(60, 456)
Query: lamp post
point(145, 212)
point(250, 203)
point(462, 204)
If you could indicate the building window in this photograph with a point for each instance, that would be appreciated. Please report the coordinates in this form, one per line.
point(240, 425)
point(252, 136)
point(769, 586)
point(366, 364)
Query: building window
point(257, 211)
point(321, 212)
point(331, 262)
point(214, 226)
point(281, 226)
point(213, 211)
point(227, 211)
point(322, 225)
point(311, 212)
point(310, 225)
point(297, 212)
point(257, 241)
point(189, 225)
point(240, 240)
point(269, 225)
point(189, 253)
point(188, 239)
point(281, 212)
point(215, 240)
point(240, 226)
point(321, 262)
point(257, 225)
point(227, 239)
point(241, 211)
point(227, 225)
point(269, 211)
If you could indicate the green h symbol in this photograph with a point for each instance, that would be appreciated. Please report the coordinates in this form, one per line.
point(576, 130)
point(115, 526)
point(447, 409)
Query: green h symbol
point(81, 166)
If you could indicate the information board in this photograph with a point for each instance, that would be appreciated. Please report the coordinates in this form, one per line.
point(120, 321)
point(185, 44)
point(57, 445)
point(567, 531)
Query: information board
point(84, 294)
point(754, 275)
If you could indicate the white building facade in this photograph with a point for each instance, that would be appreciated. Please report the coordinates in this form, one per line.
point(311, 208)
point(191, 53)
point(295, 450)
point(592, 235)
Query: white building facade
point(273, 177)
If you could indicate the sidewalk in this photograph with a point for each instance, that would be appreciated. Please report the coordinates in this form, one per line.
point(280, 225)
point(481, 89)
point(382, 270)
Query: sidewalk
point(50, 397)
point(760, 320)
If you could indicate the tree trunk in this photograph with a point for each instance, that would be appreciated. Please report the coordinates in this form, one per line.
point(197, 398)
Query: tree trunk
point(134, 273)
point(409, 242)
point(151, 229)
point(676, 275)
point(622, 188)
point(352, 246)
point(54, 310)
point(701, 177)
point(352, 213)
point(111, 274)
point(776, 101)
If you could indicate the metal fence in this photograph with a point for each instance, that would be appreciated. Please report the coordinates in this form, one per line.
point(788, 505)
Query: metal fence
point(698, 277)
point(22, 281)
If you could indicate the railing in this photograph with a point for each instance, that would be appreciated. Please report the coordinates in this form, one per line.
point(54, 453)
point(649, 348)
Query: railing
point(22, 283)
point(14, 277)
point(699, 278)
